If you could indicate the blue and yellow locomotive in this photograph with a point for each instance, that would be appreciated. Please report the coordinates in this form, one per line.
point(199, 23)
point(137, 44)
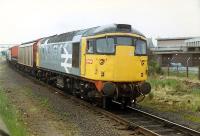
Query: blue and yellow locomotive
point(105, 63)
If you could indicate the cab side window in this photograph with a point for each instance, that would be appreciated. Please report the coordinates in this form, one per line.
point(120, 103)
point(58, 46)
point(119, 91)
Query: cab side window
point(91, 46)
point(141, 47)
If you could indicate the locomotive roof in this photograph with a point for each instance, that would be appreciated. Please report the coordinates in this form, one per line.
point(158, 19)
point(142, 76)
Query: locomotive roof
point(29, 42)
point(69, 36)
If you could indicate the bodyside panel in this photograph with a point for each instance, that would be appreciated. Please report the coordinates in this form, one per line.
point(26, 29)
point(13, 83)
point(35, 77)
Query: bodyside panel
point(57, 57)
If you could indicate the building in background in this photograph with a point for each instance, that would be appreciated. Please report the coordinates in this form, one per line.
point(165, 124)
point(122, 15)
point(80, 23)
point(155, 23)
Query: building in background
point(180, 50)
point(4, 48)
point(193, 47)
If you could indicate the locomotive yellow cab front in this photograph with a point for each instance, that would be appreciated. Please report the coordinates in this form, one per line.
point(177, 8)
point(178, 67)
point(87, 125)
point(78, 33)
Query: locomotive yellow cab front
point(128, 67)
point(116, 58)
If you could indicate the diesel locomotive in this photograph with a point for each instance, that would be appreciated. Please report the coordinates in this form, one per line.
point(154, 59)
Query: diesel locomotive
point(104, 63)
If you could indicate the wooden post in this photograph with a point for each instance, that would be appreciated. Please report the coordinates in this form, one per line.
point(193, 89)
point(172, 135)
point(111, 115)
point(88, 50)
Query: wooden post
point(168, 70)
point(177, 70)
point(199, 72)
point(187, 67)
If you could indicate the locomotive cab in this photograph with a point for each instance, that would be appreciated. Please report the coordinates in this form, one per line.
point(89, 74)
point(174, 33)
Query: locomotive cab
point(117, 58)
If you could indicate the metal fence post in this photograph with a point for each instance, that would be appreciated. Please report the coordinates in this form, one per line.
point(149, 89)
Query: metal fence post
point(187, 70)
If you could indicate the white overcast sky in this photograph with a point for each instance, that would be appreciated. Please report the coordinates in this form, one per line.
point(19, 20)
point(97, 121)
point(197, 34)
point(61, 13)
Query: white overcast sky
point(25, 20)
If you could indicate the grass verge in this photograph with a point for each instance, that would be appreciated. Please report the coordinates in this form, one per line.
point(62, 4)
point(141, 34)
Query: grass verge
point(10, 116)
point(171, 95)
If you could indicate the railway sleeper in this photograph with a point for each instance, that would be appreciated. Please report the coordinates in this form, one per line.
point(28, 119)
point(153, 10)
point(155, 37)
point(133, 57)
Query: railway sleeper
point(163, 131)
point(152, 126)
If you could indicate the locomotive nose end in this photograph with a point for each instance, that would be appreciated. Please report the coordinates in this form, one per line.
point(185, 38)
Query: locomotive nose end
point(145, 88)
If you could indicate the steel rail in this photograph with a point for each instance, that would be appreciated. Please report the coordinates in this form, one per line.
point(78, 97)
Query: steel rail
point(178, 127)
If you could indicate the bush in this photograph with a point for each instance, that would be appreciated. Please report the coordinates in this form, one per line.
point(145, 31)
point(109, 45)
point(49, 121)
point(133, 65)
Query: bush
point(154, 68)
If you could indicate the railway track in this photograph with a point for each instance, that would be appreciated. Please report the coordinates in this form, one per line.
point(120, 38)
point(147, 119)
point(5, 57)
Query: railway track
point(159, 126)
point(136, 120)
point(175, 129)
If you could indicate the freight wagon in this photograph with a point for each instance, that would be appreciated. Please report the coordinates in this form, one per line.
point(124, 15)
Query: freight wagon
point(12, 54)
point(27, 56)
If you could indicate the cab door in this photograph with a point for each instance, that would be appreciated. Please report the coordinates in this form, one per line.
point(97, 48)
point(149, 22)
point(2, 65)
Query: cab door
point(83, 56)
point(91, 69)
point(88, 58)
